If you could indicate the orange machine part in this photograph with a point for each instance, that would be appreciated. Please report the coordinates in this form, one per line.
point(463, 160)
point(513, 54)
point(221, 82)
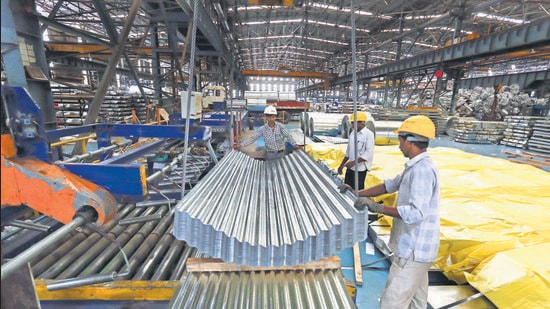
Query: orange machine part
point(49, 189)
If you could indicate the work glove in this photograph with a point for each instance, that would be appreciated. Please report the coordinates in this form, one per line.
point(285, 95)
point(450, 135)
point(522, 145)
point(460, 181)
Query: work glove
point(373, 206)
point(344, 188)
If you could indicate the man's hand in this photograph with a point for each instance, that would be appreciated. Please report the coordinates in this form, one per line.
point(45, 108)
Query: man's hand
point(350, 164)
point(237, 146)
point(373, 206)
point(344, 188)
point(340, 169)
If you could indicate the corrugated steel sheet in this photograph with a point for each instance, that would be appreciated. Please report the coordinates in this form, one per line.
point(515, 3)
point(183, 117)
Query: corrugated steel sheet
point(268, 213)
point(263, 289)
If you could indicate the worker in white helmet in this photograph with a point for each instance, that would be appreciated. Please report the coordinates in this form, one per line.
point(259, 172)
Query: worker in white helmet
point(414, 238)
point(274, 134)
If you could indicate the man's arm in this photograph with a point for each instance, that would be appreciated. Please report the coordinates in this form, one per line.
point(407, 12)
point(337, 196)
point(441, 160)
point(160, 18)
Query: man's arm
point(341, 167)
point(373, 191)
point(287, 135)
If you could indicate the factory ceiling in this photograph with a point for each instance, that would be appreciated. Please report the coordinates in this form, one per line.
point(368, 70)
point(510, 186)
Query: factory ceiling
point(282, 36)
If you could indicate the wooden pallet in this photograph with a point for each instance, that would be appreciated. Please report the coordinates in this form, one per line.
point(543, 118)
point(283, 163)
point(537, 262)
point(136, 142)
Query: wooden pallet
point(539, 160)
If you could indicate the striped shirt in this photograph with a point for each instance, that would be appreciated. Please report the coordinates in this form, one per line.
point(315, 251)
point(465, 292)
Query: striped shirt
point(274, 138)
point(417, 232)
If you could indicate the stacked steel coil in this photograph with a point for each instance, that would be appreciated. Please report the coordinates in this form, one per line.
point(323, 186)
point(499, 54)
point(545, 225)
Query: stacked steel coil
point(268, 213)
point(323, 123)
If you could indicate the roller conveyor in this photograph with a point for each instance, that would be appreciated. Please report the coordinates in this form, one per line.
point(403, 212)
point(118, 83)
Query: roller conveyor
point(88, 253)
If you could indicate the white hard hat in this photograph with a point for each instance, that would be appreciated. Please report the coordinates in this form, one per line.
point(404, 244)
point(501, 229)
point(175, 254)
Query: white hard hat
point(270, 110)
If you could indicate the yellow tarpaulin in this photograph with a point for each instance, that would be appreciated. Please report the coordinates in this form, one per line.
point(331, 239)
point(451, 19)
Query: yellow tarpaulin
point(495, 220)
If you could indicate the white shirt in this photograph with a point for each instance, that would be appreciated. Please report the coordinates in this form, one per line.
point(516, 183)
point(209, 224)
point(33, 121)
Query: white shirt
point(365, 149)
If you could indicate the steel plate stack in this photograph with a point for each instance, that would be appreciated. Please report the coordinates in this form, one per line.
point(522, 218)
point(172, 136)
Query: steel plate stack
point(115, 108)
point(518, 130)
point(540, 141)
point(268, 213)
point(477, 132)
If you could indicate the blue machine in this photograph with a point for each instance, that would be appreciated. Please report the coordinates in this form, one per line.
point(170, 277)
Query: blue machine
point(221, 121)
point(120, 175)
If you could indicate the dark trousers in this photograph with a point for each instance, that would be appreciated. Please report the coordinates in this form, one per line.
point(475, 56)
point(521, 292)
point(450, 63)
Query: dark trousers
point(350, 178)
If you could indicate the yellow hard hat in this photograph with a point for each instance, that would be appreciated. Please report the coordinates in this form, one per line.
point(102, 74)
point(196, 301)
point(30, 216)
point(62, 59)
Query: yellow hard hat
point(418, 125)
point(361, 116)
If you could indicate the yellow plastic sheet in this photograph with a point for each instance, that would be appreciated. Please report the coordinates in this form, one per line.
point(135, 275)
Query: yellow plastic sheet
point(495, 222)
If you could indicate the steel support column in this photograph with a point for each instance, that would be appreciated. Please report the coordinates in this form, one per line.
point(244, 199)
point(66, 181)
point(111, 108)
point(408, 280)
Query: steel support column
point(109, 73)
point(20, 30)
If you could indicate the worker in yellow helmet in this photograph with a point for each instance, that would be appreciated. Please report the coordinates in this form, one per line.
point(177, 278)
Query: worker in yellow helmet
point(274, 134)
point(414, 238)
point(365, 154)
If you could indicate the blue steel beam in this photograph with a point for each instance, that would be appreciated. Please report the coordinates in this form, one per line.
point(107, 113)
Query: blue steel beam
point(135, 154)
point(133, 130)
point(107, 131)
point(123, 181)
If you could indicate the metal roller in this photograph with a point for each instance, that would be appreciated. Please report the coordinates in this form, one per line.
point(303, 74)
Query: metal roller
point(58, 256)
point(85, 262)
point(83, 216)
point(169, 260)
point(147, 268)
point(72, 262)
point(149, 243)
point(179, 270)
point(130, 246)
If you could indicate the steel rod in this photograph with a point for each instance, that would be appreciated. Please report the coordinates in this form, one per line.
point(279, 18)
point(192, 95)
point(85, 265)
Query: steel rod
point(31, 226)
point(23, 258)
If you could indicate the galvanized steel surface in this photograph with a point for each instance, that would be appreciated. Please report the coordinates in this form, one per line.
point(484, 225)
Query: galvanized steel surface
point(268, 213)
point(263, 289)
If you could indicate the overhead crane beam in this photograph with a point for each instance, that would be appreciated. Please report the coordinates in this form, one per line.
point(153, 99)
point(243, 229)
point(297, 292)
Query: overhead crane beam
point(520, 38)
point(104, 51)
point(319, 75)
point(274, 2)
point(524, 80)
point(327, 77)
point(511, 43)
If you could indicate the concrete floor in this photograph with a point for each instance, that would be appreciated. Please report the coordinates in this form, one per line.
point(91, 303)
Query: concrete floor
point(490, 150)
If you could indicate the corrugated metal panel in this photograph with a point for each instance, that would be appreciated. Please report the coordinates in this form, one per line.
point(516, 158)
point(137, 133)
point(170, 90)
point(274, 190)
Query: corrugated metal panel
point(268, 213)
point(263, 289)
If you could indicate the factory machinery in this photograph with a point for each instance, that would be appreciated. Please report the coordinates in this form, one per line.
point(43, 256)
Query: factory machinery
point(153, 215)
point(104, 206)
